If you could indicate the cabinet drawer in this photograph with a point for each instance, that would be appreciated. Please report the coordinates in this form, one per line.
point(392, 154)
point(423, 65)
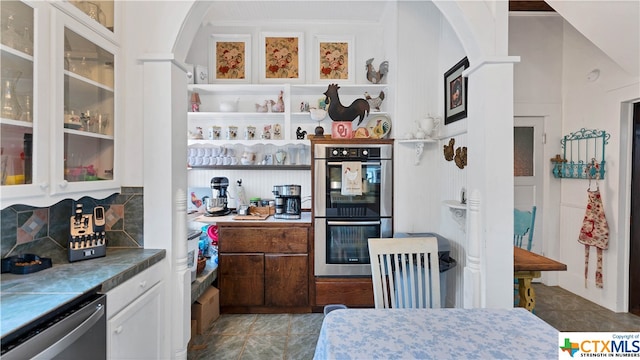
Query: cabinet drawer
point(127, 292)
point(351, 292)
point(290, 240)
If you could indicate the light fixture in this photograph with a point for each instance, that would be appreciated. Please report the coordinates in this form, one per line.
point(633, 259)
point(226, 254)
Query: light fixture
point(593, 75)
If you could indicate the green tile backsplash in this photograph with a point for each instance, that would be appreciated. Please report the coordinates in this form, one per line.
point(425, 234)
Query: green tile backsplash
point(45, 231)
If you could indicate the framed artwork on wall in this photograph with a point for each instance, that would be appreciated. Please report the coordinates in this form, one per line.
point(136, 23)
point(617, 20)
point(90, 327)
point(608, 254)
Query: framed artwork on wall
point(230, 58)
point(281, 57)
point(455, 92)
point(334, 59)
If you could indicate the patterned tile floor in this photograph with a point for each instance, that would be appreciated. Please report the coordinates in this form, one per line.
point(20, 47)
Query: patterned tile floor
point(294, 336)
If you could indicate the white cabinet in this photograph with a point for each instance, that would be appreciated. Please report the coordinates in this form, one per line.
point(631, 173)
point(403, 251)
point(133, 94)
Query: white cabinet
point(59, 76)
point(246, 100)
point(135, 317)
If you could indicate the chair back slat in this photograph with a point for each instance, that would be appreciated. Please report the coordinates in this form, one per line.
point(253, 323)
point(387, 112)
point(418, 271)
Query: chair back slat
point(523, 225)
point(405, 272)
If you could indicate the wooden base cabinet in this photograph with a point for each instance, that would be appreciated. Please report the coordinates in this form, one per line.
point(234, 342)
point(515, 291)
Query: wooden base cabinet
point(263, 269)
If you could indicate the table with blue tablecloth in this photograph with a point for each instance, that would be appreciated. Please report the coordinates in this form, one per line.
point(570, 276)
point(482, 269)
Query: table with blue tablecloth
point(435, 334)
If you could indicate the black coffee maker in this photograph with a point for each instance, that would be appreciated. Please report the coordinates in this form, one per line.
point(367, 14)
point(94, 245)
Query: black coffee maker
point(217, 204)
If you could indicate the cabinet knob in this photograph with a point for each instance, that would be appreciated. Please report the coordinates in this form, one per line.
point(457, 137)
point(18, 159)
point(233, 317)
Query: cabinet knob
point(44, 185)
point(63, 184)
point(143, 283)
point(118, 330)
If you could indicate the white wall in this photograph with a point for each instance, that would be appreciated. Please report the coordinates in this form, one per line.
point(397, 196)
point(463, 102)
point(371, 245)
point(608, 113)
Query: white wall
point(595, 105)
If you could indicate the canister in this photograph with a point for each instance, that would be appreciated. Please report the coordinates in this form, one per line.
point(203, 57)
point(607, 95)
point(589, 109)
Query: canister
point(255, 201)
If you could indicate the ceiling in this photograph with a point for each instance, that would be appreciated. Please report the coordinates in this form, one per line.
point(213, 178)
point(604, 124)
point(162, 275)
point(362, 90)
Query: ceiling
point(354, 11)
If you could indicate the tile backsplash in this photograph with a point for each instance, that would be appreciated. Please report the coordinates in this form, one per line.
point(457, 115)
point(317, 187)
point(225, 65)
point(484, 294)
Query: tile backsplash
point(45, 231)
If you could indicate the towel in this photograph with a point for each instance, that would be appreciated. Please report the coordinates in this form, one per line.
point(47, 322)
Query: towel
point(351, 178)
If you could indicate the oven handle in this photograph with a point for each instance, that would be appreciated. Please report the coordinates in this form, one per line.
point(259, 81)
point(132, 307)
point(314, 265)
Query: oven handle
point(363, 163)
point(74, 335)
point(354, 223)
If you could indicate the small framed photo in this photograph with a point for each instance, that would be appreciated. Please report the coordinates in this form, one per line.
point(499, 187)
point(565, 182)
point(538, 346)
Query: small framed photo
point(230, 58)
point(282, 57)
point(455, 92)
point(334, 58)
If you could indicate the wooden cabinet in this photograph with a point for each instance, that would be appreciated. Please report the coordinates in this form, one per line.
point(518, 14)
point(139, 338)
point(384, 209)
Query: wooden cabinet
point(264, 268)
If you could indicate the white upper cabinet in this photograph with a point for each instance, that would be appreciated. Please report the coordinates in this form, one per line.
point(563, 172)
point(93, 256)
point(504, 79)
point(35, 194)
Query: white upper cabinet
point(59, 110)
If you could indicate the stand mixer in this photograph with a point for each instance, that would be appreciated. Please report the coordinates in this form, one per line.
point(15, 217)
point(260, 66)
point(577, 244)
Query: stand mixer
point(217, 204)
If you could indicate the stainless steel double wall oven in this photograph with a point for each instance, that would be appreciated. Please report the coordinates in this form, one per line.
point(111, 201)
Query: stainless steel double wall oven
point(346, 217)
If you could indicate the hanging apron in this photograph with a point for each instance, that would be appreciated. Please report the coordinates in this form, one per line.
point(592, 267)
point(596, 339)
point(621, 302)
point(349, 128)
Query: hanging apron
point(594, 232)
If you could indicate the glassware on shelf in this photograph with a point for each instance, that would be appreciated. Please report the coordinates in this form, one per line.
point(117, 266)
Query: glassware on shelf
point(26, 41)
point(9, 36)
point(10, 106)
point(83, 69)
point(25, 105)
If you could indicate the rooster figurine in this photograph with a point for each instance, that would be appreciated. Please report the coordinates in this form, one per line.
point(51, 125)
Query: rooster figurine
point(448, 150)
point(376, 76)
point(374, 103)
point(195, 201)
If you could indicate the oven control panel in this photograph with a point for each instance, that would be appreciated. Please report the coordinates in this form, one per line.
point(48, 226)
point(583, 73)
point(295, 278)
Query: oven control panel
point(353, 153)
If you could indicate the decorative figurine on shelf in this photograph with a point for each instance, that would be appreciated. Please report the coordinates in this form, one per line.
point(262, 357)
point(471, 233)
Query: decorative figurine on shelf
point(376, 76)
point(265, 107)
point(277, 132)
point(195, 102)
point(374, 103)
point(300, 134)
point(359, 108)
point(266, 132)
point(279, 105)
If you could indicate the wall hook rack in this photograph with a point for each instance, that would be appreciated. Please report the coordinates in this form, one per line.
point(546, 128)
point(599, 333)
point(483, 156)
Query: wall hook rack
point(582, 149)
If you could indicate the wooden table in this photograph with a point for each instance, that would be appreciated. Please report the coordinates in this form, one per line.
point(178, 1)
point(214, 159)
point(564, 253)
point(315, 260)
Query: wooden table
point(527, 266)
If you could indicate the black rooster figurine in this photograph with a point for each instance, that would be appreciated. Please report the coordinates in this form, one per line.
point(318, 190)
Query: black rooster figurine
point(359, 108)
point(376, 76)
point(300, 134)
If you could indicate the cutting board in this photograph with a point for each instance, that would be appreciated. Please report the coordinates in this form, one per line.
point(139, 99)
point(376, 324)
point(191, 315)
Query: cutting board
point(251, 217)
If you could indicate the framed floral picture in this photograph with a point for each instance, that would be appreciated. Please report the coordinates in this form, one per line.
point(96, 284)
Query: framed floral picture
point(334, 59)
point(455, 92)
point(281, 57)
point(230, 58)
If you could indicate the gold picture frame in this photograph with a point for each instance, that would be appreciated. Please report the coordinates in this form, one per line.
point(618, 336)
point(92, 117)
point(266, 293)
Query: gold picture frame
point(230, 58)
point(282, 57)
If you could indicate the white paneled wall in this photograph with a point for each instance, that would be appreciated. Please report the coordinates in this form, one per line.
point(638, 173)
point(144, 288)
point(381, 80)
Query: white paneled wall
point(257, 183)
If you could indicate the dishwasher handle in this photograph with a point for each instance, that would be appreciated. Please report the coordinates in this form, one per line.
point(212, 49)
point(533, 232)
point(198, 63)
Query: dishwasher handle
point(74, 335)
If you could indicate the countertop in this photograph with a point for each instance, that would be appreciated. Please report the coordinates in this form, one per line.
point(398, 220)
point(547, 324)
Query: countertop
point(24, 298)
point(305, 218)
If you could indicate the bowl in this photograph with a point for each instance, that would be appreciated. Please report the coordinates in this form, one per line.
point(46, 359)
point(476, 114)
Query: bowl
point(317, 114)
point(213, 205)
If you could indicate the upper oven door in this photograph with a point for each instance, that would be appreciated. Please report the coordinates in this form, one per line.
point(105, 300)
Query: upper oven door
point(377, 190)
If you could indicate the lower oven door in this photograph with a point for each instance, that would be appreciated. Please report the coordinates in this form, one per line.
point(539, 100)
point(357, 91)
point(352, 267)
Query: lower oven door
point(341, 246)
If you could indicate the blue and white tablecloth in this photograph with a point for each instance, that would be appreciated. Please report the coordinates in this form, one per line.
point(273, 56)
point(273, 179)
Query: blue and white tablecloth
point(435, 334)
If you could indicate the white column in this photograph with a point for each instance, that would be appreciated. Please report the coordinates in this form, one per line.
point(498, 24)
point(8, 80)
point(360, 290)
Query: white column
point(490, 173)
point(165, 188)
point(472, 270)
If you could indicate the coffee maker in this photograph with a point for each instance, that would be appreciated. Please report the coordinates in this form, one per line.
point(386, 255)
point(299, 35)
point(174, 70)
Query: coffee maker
point(288, 201)
point(217, 204)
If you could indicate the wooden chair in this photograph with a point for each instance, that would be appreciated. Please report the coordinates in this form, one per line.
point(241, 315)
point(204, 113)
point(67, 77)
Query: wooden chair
point(523, 223)
point(405, 272)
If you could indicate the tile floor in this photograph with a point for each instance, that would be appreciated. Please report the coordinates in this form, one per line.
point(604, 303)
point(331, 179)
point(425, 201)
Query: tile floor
point(294, 336)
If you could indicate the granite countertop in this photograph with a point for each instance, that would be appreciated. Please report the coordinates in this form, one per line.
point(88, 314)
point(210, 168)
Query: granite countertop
point(24, 298)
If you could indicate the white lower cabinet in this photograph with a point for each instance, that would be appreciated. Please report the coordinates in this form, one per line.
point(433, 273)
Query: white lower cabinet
point(135, 322)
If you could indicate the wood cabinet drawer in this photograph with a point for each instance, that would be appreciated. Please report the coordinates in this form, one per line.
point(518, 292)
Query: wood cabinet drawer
point(287, 240)
point(351, 292)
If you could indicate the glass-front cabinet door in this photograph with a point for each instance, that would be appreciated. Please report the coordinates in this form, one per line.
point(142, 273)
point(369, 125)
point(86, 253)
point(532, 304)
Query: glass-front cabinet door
point(86, 107)
point(23, 163)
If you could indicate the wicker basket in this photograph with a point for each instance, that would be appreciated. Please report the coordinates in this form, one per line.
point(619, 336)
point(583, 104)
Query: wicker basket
point(202, 263)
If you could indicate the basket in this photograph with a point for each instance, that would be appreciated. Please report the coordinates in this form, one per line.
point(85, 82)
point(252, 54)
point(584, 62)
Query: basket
point(202, 263)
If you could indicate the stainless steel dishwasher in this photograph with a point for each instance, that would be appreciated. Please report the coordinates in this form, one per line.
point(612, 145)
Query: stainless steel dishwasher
point(73, 331)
